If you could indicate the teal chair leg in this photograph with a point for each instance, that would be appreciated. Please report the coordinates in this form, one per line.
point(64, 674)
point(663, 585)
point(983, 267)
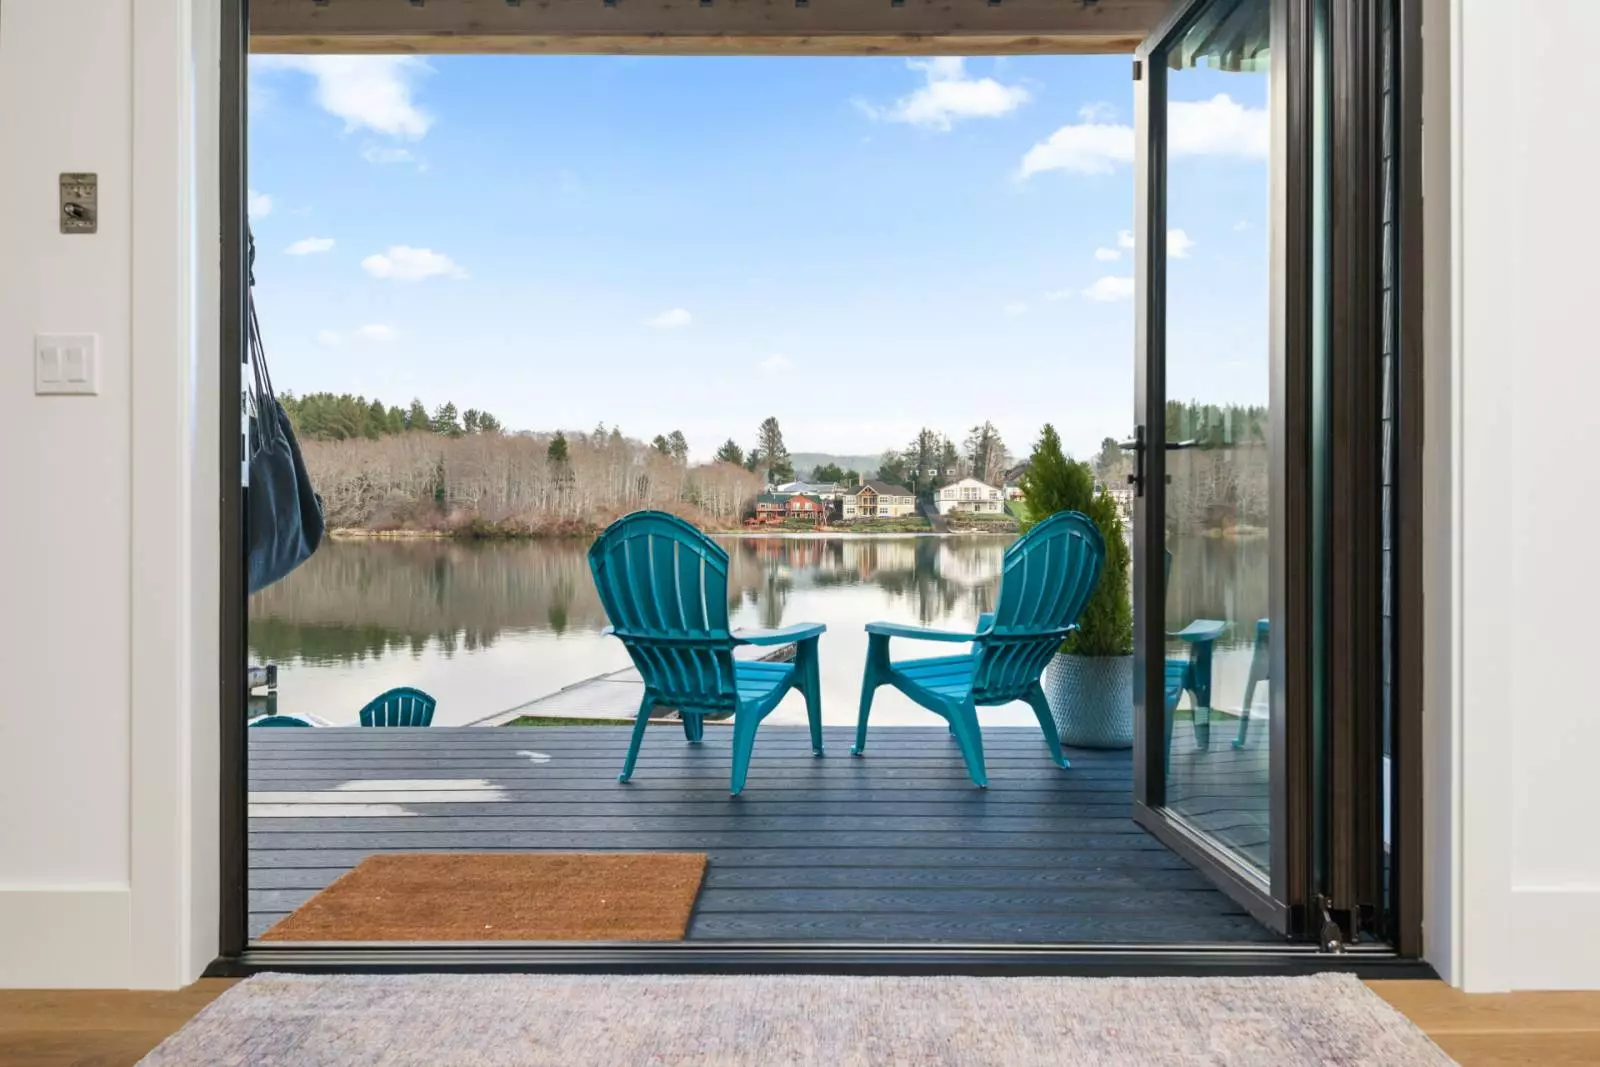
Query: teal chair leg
point(646, 706)
point(744, 740)
point(872, 676)
point(1260, 663)
point(806, 666)
point(964, 717)
point(1047, 723)
point(694, 727)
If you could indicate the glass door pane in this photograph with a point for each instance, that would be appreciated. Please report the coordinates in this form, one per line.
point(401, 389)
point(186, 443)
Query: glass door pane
point(1209, 528)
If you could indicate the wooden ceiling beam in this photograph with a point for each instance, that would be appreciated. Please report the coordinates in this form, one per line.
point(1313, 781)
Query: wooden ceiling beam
point(693, 27)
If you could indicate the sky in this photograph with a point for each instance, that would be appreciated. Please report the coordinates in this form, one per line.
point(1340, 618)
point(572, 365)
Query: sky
point(860, 246)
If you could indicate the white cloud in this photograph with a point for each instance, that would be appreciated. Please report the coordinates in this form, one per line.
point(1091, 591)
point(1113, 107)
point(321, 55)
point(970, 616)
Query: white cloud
point(947, 96)
point(328, 337)
point(309, 246)
point(384, 156)
point(367, 92)
point(672, 319)
point(377, 332)
point(1099, 111)
point(776, 363)
point(1217, 127)
point(1014, 309)
point(1111, 287)
point(1083, 148)
point(406, 264)
point(1178, 244)
point(1106, 255)
point(259, 205)
point(1059, 294)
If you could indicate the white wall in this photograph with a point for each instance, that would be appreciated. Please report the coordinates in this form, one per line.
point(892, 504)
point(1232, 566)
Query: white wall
point(108, 648)
point(1521, 361)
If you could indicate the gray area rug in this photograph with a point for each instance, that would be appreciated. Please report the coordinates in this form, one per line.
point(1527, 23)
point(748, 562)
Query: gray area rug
point(579, 1021)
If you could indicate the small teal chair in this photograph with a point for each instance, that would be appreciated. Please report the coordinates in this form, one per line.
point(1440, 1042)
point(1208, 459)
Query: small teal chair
point(664, 586)
point(399, 707)
point(279, 720)
point(1046, 580)
point(1191, 672)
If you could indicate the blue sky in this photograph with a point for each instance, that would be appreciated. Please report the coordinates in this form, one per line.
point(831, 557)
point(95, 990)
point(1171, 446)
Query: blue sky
point(860, 246)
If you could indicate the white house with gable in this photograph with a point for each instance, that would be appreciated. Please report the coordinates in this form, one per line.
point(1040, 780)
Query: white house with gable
point(969, 494)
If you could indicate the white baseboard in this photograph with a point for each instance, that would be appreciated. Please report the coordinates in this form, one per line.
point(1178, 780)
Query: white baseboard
point(1555, 942)
point(69, 937)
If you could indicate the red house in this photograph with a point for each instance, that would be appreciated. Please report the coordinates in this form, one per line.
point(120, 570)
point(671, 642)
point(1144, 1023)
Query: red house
point(805, 507)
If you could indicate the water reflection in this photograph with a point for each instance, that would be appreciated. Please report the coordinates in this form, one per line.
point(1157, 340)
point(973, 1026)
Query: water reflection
point(488, 626)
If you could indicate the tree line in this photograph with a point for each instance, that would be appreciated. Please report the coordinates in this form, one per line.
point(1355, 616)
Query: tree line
point(509, 484)
point(330, 417)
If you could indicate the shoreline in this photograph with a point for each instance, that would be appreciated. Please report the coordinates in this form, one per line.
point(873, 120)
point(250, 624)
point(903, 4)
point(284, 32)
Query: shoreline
point(347, 534)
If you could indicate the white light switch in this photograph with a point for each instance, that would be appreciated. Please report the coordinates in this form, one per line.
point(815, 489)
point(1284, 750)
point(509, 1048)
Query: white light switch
point(65, 364)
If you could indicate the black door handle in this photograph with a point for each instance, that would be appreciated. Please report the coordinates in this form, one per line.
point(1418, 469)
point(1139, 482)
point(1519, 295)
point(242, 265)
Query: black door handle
point(1137, 447)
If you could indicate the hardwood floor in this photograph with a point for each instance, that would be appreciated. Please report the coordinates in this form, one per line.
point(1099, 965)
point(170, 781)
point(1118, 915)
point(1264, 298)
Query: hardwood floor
point(114, 1029)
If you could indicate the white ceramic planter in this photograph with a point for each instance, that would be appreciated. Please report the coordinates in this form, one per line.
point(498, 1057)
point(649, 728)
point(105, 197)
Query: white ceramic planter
point(1091, 699)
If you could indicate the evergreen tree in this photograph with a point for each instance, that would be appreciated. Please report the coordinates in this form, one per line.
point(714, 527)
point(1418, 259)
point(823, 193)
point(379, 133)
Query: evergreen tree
point(377, 423)
point(556, 452)
point(444, 421)
point(1054, 482)
point(923, 455)
point(417, 417)
point(892, 468)
point(487, 423)
point(775, 457)
point(730, 452)
point(827, 474)
point(469, 420)
point(395, 421)
point(679, 445)
point(986, 454)
point(752, 459)
point(660, 445)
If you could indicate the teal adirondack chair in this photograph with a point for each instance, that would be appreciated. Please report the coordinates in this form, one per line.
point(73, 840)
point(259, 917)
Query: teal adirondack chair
point(1260, 671)
point(664, 586)
point(1048, 576)
point(279, 720)
point(399, 707)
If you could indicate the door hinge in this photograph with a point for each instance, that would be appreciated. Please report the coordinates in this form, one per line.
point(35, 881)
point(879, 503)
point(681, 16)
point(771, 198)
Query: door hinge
point(1335, 926)
point(1138, 69)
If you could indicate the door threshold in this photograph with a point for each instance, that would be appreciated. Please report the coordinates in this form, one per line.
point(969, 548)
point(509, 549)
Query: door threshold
point(1103, 961)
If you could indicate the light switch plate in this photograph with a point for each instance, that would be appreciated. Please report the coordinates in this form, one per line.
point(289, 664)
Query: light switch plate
point(66, 364)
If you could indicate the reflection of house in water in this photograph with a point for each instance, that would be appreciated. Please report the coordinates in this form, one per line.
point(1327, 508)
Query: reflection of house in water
point(959, 564)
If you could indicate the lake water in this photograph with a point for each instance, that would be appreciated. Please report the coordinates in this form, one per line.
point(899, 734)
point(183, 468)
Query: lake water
point(488, 626)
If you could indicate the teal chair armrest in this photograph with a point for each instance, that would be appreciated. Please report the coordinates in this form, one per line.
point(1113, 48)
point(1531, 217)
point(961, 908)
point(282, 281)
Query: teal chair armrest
point(917, 633)
point(788, 635)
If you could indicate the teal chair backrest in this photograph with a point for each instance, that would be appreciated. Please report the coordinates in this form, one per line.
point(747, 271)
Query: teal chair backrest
point(399, 707)
point(664, 586)
point(278, 720)
point(1048, 576)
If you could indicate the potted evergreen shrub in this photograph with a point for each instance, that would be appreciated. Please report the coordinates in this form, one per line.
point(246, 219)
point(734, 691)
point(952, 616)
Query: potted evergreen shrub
point(1089, 682)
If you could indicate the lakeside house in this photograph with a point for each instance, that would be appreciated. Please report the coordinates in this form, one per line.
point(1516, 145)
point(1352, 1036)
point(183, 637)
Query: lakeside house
point(969, 495)
point(878, 500)
point(775, 507)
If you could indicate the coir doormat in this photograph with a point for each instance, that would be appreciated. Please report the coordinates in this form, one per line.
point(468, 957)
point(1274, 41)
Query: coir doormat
point(520, 896)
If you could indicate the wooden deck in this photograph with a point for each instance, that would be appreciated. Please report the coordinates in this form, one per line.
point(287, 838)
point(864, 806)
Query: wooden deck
point(896, 846)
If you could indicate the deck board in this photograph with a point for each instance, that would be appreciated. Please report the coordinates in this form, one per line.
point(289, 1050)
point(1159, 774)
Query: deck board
point(897, 845)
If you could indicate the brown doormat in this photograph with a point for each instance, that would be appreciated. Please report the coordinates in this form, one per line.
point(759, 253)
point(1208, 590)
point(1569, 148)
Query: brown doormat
point(520, 896)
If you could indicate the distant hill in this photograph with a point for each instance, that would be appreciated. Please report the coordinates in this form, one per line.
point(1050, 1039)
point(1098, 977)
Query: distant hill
point(805, 461)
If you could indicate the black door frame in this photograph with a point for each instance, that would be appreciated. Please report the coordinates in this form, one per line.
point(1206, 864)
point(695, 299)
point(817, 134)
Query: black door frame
point(238, 957)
